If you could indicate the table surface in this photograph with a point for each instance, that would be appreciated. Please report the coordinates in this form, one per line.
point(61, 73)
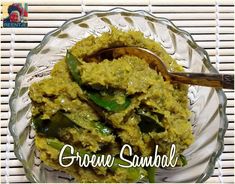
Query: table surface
point(210, 22)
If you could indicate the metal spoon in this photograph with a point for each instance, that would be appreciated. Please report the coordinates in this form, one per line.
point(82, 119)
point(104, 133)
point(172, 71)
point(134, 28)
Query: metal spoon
point(201, 79)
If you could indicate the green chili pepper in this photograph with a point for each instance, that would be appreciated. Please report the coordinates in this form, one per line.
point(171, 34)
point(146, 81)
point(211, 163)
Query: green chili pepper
point(51, 127)
point(88, 124)
point(73, 63)
point(102, 128)
point(134, 173)
point(183, 160)
point(60, 120)
point(151, 174)
point(108, 102)
point(149, 121)
point(58, 145)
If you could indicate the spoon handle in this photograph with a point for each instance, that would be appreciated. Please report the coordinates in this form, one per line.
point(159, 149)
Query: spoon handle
point(204, 79)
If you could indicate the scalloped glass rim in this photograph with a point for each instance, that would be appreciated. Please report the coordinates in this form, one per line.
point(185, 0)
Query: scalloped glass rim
point(222, 98)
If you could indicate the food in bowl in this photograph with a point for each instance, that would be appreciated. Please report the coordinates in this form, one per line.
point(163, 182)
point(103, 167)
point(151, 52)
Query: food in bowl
point(99, 107)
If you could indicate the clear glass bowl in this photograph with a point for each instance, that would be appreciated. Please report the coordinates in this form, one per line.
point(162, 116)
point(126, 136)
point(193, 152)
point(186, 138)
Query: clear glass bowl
point(207, 104)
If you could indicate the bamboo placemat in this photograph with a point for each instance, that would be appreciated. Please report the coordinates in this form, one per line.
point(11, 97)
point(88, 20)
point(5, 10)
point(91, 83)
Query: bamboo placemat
point(211, 23)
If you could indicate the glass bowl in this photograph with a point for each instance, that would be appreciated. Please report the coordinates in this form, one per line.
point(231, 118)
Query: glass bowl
point(207, 104)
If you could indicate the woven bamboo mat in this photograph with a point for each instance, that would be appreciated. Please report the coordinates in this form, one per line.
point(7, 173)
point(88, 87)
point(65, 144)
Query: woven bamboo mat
point(211, 23)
